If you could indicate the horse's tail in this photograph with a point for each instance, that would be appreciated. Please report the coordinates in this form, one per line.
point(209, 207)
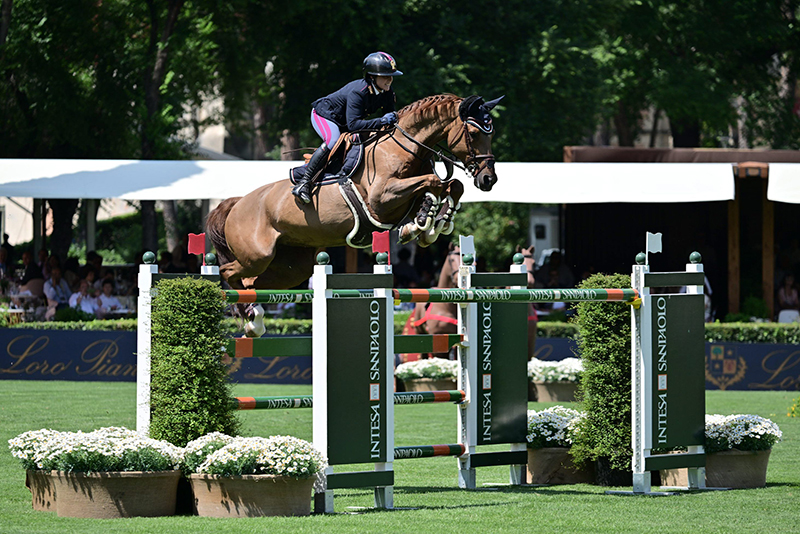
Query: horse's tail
point(215, 227)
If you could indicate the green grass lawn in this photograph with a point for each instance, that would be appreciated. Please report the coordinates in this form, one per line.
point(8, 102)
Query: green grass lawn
point(426, 489)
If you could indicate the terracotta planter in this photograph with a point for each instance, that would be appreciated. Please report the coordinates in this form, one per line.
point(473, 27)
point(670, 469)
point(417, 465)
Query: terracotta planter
point(42, 491)
point(553, 465)
point(429, 384)
point(556, 391)
point(115, 494)
point(251, 495)
point(726, 469)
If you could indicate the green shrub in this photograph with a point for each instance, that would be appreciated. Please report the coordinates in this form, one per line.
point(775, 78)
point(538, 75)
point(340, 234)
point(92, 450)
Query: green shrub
point(69, 314)
point(190, 393)
point(94, 324)
point(604, 343)
point(782, 333)
point(556, 329)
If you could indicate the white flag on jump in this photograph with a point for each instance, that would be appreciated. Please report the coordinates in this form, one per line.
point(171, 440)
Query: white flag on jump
point(653, 242)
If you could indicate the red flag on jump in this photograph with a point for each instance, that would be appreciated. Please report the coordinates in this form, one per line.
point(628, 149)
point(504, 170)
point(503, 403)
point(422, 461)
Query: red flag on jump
point(197, 245)
point(380, 243)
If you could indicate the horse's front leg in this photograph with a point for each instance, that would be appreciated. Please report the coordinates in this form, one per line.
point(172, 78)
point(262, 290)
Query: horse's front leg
point(391, 202)
point(443, 223)
point(448, 208)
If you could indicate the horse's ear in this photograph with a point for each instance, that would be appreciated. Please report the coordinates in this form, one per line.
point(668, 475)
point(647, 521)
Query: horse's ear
point(469, 107)
point(492, 103)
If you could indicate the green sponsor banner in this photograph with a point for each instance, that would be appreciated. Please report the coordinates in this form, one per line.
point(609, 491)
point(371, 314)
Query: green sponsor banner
point(502, 372)
point(357, 377)
point(678, 381)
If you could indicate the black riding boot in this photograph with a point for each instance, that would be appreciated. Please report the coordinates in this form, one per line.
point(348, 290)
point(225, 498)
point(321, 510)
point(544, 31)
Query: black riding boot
point(303, 188)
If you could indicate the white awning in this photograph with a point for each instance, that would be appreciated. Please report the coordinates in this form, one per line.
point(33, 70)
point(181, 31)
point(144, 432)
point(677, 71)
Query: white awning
point(585, 183)
point(536, 183)
point(784, 183)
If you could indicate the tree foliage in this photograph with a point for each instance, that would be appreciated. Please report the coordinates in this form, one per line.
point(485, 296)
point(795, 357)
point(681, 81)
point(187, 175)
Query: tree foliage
point(123, 79)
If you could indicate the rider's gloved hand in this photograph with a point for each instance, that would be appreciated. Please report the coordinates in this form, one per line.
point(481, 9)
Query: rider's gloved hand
point(389, 119)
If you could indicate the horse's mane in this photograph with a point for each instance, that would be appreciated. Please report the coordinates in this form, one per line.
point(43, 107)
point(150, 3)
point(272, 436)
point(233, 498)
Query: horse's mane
point(429, 102)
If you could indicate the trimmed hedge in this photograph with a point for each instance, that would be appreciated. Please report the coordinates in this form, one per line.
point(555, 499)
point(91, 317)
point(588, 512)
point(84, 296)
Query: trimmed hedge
point(190, 394)
point(605, 387)
point(780, 333)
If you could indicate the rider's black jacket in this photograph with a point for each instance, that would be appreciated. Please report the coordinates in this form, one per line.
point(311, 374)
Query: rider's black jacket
point(348, 106)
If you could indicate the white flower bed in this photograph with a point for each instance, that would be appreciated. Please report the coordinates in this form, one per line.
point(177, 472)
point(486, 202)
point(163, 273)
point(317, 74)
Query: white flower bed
point(437, 368)
point(566, 370)
point(276, 455)
point(106, 449)
point(552, 427)
point(743, 432)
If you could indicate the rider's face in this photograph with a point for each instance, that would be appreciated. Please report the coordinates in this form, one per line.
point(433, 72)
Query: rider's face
point(383, 82)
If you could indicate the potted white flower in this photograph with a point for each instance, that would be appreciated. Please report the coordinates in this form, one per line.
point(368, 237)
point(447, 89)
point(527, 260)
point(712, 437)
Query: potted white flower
point(110, 472)
point(550, 435)
point(737, 452)
point(432, 374)
point(252, 477)
point(554, 381)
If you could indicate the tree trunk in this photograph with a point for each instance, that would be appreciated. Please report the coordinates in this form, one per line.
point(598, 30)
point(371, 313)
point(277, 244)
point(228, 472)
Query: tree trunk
point(5, 20)
point(170, 213)
point(159, 51)
point(61, 238)
point(149, 227)
point(626, 133)
point(290, 142)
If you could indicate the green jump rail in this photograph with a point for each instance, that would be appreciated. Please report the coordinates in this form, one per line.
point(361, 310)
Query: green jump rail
point(456, 396)
point(264, 296)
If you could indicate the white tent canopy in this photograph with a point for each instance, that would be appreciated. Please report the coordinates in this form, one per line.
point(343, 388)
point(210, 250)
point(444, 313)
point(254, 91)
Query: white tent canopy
point(536, 183)
point(784, 183)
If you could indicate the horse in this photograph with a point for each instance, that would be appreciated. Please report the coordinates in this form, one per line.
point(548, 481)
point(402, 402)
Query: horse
point(440, 317)
point(268, 240)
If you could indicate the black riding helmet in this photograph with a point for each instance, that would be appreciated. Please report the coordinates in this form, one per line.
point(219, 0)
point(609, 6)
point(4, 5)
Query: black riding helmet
point(380, 64)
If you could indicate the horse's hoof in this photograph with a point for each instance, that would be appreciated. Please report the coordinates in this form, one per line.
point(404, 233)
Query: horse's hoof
point(407, 234)
point(424, 218)
point(253, 329)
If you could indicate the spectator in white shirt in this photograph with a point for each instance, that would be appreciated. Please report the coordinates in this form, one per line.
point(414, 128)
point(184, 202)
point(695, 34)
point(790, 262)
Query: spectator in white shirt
point(108, 302)
point(83, 301)
point(57, 291)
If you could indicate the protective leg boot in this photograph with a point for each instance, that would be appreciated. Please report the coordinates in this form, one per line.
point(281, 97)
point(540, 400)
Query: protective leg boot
point(303, 188)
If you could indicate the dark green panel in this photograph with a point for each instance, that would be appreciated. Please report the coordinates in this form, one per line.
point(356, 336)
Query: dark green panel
point(673, 279)
point(674, 461)
point(269, 347)
point(361, 479)
point(502, 355)
point(484, 459)
point(356, 369)
point(360, 281)
point(499, 279)
point(678, 394)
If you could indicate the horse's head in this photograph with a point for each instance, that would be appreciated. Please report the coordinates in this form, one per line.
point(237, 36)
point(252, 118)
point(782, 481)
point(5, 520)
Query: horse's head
point(475, 142)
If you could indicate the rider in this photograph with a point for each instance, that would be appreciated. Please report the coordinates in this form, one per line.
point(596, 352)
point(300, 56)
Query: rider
point(346, 109)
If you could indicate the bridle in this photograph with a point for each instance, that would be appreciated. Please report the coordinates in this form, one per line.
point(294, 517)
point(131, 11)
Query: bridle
point(474, 163)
